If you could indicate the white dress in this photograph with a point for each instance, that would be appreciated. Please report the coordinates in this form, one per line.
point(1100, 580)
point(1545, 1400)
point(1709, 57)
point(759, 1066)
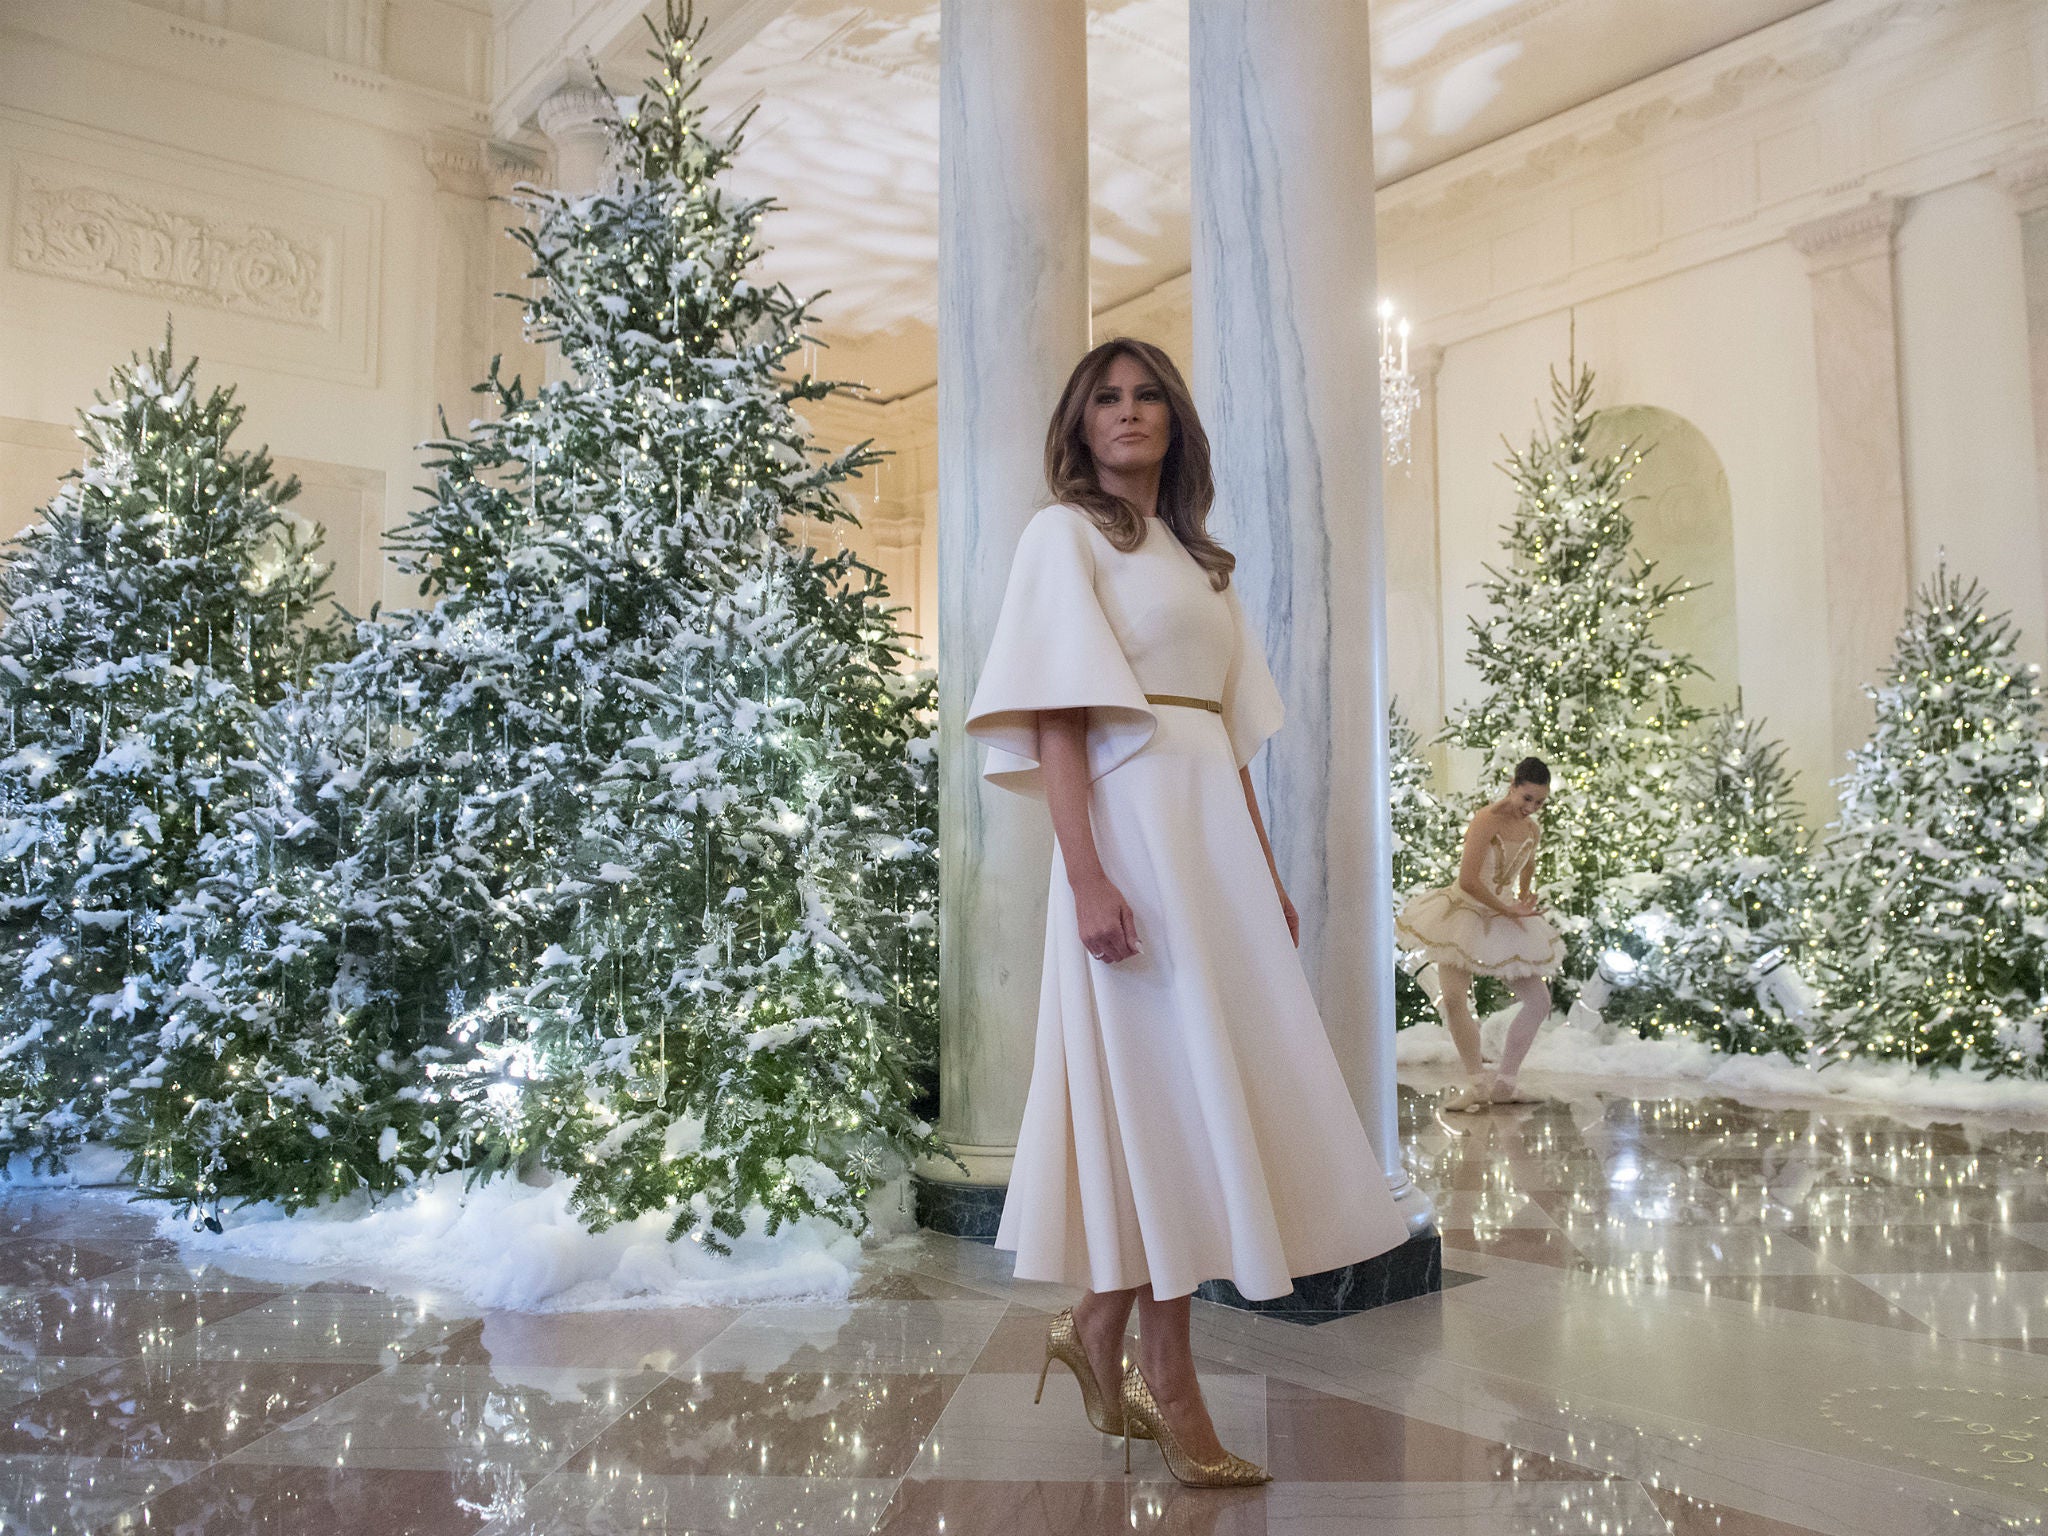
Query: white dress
point(1187, 1119)
point(1450, 928)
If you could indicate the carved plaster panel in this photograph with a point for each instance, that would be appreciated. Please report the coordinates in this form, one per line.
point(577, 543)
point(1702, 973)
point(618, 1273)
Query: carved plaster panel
point(72, 226)
point(101, 235)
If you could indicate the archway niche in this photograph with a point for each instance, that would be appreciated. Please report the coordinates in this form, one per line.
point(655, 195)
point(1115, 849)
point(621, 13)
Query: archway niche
point(1685, 522)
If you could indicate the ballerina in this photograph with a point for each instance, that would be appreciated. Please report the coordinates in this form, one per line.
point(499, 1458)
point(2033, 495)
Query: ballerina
point(1488, 922)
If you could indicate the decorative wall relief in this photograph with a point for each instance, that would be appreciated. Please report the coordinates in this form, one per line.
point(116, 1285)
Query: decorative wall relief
point(96, 235)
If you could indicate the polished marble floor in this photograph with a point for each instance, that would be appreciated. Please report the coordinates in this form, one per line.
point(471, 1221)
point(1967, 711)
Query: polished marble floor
point(1664, 1316)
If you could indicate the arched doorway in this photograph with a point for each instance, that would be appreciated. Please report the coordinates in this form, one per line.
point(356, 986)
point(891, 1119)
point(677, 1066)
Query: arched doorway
point(1684, 521)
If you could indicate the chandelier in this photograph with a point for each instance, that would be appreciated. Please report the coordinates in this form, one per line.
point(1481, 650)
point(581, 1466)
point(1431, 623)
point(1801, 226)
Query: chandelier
point(1399, 395)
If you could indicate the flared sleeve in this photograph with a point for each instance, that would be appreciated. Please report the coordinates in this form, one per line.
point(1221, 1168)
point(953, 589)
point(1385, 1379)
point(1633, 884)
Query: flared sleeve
point(1054, 648)
point(1252, 710)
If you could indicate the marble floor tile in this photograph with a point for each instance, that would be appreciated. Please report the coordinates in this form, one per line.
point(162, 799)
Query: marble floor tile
point(434, 1417)
point(1113, 1507)
point(237, 1499)
point(1314, 1437)
point(641, 1504)
point(1699, 1517)
point(71, 1495)
point(1978, 1249)
point(94, 1319)
point(662, 1339)
point(36, 1263)
point(1656, 1251)
point(1616, 1508)
point(797, 1424)
point(190, 1411)
point(171, 1272)
point(1530, 1247)
point(1970, 1306)
point(318, 1324)
point(871, 1336)
point(1837, 1296)
point(886, 1282)
point(991, 1430)
point(24, 1377)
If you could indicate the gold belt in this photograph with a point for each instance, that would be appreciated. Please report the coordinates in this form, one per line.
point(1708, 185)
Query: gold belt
point(1184, 701)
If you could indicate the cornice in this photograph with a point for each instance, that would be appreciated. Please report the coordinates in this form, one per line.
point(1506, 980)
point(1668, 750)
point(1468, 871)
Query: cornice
point(2025, 178)
point(1849, 235)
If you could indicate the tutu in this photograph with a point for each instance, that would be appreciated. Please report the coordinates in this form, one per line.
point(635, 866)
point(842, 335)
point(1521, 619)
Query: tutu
point(1447, 927)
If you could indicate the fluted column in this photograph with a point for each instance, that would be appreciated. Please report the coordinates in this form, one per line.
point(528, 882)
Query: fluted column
point(1865, 559)
point(1013, 320)
point(1286, 368)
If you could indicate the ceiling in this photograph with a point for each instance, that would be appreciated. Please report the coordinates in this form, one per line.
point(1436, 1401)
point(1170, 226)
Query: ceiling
point(845, 131)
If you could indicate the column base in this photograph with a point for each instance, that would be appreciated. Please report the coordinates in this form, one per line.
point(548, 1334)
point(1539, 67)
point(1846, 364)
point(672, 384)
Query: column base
point(1416, 1268)
point(962, 1201)
point(972, 1211)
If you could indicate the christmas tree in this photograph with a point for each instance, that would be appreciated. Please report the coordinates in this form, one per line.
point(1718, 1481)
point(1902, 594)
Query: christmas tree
point(1573, 673)
point(162, 598)
point(616, 856)
point(1721, 948)
point(1427, 840)
point(1936, 871)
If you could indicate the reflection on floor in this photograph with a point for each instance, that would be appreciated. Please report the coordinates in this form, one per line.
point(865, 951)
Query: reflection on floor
point(1680, 1317)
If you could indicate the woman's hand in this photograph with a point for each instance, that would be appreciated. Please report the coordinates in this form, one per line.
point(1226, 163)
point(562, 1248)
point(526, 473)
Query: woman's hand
point(1528, 906)
point(1109, 929)
point(1287, 911)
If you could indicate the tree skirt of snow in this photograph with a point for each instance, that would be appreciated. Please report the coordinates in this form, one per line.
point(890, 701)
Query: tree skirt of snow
point(91, 1165)
point(1568, 1049)
point(508, 1245)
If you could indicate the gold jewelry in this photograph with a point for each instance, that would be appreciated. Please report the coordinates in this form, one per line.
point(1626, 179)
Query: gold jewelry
point(1141, 1414)
point(1063, 1343)
point(1184, 701)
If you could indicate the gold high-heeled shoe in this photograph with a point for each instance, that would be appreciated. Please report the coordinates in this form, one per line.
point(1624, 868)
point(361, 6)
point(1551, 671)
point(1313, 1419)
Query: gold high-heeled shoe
point(1141, 1411)
point(1063, 1343)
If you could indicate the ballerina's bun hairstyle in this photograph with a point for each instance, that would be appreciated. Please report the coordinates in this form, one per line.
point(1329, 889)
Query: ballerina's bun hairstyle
point(1186, 487)
point(1532, 770)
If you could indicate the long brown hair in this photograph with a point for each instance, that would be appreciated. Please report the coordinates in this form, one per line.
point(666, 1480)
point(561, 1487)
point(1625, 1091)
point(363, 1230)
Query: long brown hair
point(1186, 487)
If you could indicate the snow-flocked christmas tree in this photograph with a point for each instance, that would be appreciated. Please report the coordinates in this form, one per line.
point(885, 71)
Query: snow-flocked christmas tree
point(1724, 942)
point(1936, 871)
point(1573, 672)
point(616, 857)
point(162, 598)
point(1427, 841)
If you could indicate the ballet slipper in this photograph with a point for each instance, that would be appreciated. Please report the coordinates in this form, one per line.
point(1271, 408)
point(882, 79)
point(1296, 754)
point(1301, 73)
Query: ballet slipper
point(1507, 1091)
point(1473, 1097)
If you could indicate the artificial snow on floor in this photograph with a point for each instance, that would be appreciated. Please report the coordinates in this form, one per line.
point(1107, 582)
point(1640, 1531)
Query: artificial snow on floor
point(508, 1245)
point(88, 1166)
point(1692, 1065)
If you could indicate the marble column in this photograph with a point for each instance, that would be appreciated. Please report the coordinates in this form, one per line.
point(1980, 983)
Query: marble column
point(1013, 320)
point(574, 121)
point(1415, 630)
point(1865, 559)
point(2027, 180)
point(1286, 363)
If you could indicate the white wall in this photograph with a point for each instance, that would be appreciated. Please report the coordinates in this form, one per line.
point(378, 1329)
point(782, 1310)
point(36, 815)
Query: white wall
point(278, 205)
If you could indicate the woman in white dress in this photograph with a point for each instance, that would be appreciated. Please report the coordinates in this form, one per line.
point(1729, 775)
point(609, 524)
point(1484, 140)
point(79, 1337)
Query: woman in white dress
point(1187, 1119)
point(1488, 922)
